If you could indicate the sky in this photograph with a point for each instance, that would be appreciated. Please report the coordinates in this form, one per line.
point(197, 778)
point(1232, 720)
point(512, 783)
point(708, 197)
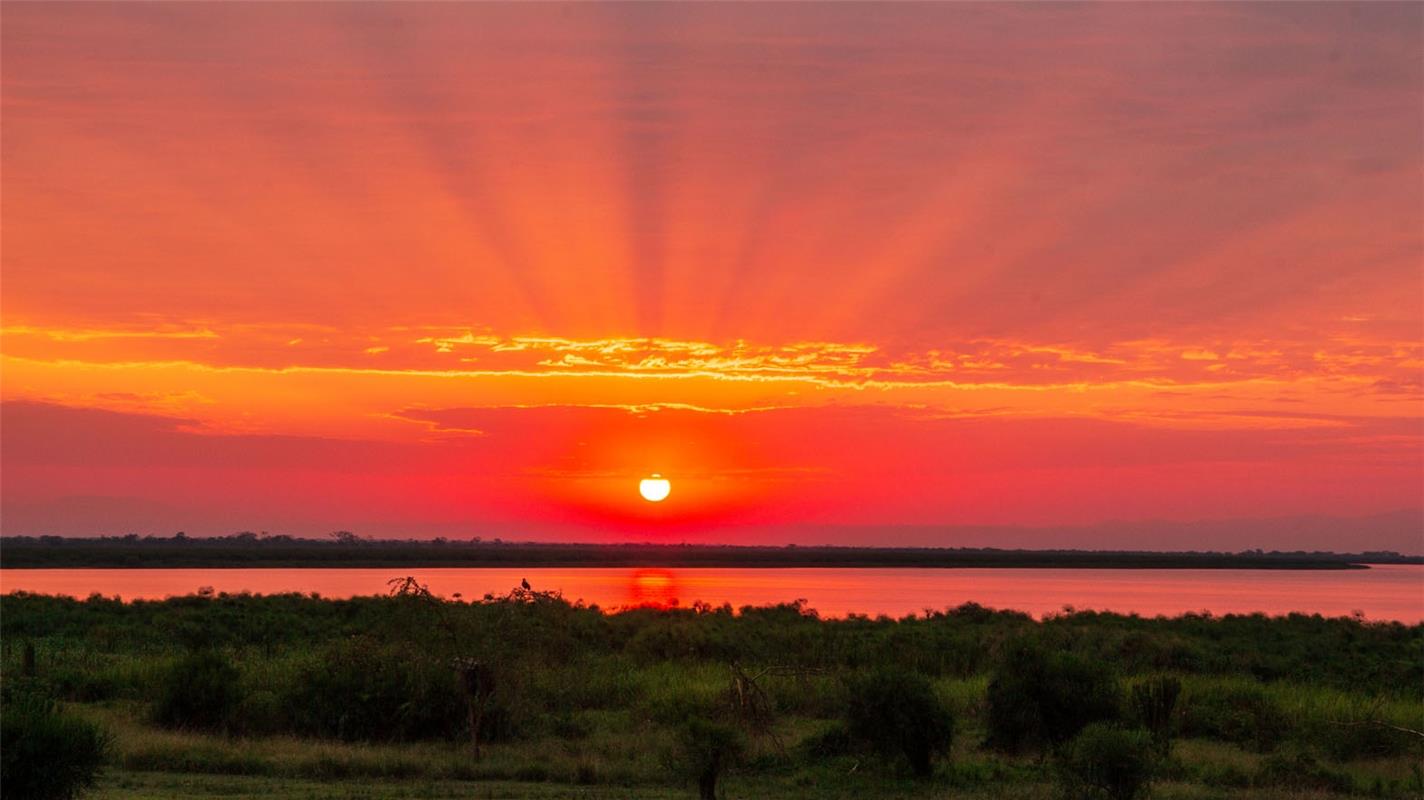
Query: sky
point(1051, 275)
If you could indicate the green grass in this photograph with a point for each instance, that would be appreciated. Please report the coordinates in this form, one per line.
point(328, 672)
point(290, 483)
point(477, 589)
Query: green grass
point(132, 785)
point(613, 754)
point(593, 702)
point(1308, 704)
point(127, 785)
point(619, 758)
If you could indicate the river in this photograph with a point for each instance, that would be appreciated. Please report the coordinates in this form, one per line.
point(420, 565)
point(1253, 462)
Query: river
point(1390, 592)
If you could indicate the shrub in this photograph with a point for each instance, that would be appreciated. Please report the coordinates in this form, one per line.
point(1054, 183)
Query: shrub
point(1242, 714)
point(531, 773)
point(361, 690)
point(896, 711)
point(1154, 704)
point(45, 754)
point(705, 751)
point(1350, 739)
point(565, 725)
point(199, 692)
point(1300, 771)
point(1038, 698)
point(260, 713)
point(1107, 761)
point(830, 743)
point(84, 684)
point(1224, 776)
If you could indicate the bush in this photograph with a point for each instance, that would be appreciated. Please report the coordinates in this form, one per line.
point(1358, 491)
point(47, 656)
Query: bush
point(896, 711)
point(260, 713)
point(361, 690)
point(832, 742)
point(1224, 776)
point(1154, 704)
point(565, 725)
point(1106, 761)
point(1241, 714)
point(705, 750)
point(84, 684)
point(1300, 771)
point(1038, 698)
point(45, 754)
point(1350, 739)
point(199, 692)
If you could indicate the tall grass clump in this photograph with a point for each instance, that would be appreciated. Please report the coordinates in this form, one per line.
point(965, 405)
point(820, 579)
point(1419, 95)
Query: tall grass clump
point(1039, 698)
point(46, 754)
point(897, 712)
point(1154, 704)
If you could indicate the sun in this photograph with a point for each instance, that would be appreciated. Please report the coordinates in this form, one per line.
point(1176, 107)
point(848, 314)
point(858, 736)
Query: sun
point(654, 489)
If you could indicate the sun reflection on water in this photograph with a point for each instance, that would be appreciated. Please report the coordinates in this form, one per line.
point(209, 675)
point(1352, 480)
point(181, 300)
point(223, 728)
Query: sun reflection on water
point(653, 587)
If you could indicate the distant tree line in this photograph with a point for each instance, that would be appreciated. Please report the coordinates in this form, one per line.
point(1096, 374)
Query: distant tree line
point(343, 548)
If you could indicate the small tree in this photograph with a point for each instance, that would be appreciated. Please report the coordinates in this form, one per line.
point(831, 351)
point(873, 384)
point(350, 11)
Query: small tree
point(1106, 762)
point(706, 750)
point(1040, 699)
point(477, 681)
point(896, 711)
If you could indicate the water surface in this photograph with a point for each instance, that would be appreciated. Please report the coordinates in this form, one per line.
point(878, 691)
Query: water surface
point(1391, 592)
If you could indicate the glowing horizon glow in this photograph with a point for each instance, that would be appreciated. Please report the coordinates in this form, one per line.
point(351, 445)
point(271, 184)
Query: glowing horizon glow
point(882, 274)
point(655, 489)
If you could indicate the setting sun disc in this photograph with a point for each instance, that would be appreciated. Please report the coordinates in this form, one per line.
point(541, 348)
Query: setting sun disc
point(654, 489)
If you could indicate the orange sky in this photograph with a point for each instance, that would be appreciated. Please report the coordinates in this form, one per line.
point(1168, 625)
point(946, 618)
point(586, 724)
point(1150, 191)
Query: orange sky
point(851, 272)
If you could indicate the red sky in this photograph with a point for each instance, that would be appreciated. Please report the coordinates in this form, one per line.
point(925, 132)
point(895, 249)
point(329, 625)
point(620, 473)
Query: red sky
point(863, 273)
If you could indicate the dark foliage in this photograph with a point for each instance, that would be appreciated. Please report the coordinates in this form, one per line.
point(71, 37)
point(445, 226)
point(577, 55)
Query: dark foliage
point(1300, 771)
point(706, 749)
point(359, 689)
point(896, 712)
point(344, 548)
point(1154, 705)
point(1345, 653)
point(1351, 739)
point(1244, 715)
point(830, 743)
point(199, 692)
point(46, 754)
point(1107, 762)
point(1041, 698)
